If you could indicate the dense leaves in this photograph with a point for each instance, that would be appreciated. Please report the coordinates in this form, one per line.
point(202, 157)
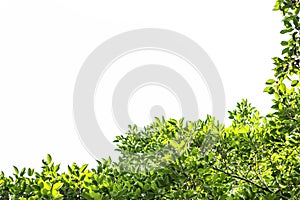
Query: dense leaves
point(255, 157)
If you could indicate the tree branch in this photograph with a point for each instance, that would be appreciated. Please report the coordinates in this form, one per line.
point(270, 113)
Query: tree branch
point(244, 179)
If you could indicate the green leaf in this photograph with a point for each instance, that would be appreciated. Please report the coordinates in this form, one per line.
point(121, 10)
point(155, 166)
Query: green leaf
point(30, 172)
point(82, 177)
point(138, 192)
point(282, 87)
point(269, 90)
point(56, 194)
point(48, 159)
point(172, 121)
point(109, 161)
point(70, 170)
point(157, 120)
point(277, 6)
point(56, 168)
point(272, 123)
point(294, 83)
point(57, 186)
point(44, 191)
point(182, 144)
point(153, 185)
point(23, 171)
point(285, 50)
point(16, 170)
point(270, 81)
point(286, 30)
point(83, 168)
point(47, 185)
point(284, 43)
point(174, 144)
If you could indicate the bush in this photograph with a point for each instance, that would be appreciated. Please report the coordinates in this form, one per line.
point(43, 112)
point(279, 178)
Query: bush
point(256, 157)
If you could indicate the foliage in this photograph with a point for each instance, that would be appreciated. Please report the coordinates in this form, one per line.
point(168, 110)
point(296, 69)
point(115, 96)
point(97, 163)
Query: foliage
point(256, 157)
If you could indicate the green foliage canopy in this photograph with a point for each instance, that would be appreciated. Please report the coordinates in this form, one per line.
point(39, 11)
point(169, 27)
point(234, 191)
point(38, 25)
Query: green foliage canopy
point(256, 157)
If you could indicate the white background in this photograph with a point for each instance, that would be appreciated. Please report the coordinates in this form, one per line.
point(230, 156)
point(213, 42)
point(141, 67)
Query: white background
point(44, 43)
